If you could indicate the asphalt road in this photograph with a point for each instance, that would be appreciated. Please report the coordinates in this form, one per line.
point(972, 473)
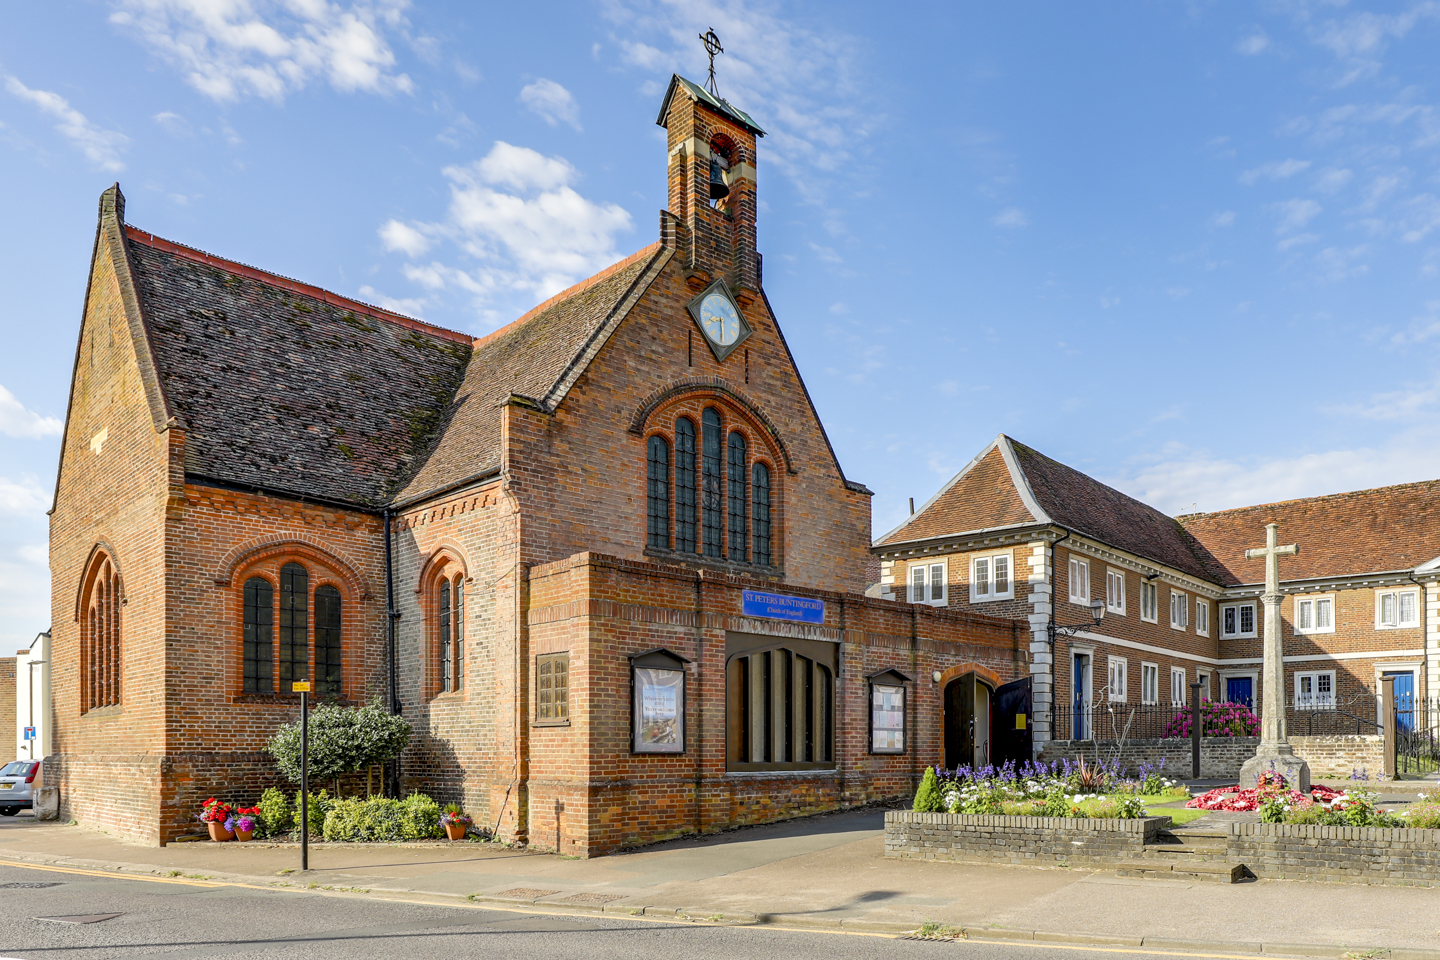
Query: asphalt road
point(186, 918)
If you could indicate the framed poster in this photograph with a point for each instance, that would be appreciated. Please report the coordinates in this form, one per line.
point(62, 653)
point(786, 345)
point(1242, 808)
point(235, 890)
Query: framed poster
point(657, 683)
point(887, 712)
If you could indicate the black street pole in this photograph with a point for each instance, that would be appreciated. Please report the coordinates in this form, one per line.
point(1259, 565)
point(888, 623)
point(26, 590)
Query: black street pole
point(1195, 730)
point(304, 689)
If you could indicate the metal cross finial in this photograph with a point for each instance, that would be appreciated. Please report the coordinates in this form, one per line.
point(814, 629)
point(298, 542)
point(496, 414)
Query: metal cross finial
point(712, 47)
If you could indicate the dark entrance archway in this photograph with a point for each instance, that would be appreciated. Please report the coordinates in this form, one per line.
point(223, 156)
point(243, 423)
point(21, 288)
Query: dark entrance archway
point(969, 707)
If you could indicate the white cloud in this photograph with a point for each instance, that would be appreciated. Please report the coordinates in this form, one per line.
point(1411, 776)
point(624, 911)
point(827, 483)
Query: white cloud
point(519, 222)
point(24, 595)
point(17, 421)
point(407, 306)
point(232, 49)
point(402, 238)
point(1420, 216)
point(1225, 219)
point(1011, 218)
point(1332, 180)
point(1253, 44)
point(1298, 240)
point(1295, 214)
point(1338, 263)
point(1359, 41)
point(101, 147)
point(23, 497)
point(551, 102)
point(1274, 170)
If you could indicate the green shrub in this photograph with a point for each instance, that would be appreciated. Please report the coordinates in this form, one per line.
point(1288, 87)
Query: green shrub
point(318, 806)
point(1057, 803)
point(276, 817)
point(927, 798)
point(382, 820)
point(1426, 817)
point(342, 740)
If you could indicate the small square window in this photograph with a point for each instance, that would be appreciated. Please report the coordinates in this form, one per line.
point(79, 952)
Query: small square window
point(1314, 614)
point(990, 578)
point(1397, 608)
point(552, 688)
point(1237, 620)
point(1315, 690)
point(928, 583)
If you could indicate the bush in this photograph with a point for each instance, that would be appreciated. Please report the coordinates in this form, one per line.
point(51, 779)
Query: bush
point(1424, 817)
point(319, 805)
point(381, 820)
point(927, 798)
point(1217, 719)
point(276, 817)
point(342, 740)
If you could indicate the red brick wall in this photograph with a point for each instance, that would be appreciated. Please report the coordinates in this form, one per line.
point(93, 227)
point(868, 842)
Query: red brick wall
point(107, 760)
point(7, 696)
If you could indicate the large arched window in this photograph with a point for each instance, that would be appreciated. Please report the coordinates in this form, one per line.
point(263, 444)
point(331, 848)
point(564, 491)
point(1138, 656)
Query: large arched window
point(684, 485)
point(100, 636)
point(712, 483)
point(739, 503)
point(294, 626)
point(657, 496)
point(761, 493)
point(259, 636)
point(327, 641)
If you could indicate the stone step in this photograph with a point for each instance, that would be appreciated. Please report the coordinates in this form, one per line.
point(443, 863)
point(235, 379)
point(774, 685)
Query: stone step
point(1177, 851)
point(1201, 870)
point(1206, 832)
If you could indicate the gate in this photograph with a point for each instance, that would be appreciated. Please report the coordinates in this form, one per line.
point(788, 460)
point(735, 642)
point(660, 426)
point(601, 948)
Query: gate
point(1417, 726)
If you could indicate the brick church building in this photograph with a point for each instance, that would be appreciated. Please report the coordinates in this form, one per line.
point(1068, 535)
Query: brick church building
point(1018, 534)
point(604, 559)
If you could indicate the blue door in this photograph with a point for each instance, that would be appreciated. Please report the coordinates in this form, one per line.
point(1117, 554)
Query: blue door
point(1240, 690)
point(1404, 699)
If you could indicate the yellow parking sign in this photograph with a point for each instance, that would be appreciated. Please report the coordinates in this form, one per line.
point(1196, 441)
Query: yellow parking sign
point(301, 686)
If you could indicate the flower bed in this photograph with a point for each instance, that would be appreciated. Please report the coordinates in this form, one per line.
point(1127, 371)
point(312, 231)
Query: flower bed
point(1061, 789)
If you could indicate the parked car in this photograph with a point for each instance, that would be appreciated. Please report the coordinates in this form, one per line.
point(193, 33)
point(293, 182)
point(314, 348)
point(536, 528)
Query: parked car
point(19, 780)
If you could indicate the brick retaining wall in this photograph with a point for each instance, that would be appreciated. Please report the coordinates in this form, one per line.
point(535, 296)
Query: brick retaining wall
point(1021, 840)
point(1355, 854)
point(1222, 757)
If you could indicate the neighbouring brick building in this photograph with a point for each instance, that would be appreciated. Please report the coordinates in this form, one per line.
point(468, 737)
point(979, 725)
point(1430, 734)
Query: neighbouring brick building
point(1181, 602)
point(604, 559)
point(7, 693)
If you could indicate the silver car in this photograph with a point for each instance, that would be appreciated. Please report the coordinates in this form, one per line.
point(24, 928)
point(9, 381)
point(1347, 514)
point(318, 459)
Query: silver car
point(18, 782)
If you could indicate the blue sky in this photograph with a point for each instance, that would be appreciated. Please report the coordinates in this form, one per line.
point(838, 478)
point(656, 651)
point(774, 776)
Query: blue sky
point(1190, 248)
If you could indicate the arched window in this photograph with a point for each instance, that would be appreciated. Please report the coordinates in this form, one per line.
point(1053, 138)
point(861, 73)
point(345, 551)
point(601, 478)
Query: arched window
point(447, 652)
point(684, 485)
point(100, 636)
point(712, 479)
point(761, 494)
point(259, 636)
point(459, 633)
point(780, 704)
point(327, 641)
point(294, 626)
point(739, 503)
point(657, 497)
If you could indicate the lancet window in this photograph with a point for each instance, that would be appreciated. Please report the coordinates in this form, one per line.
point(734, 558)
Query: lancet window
point(100, 631)
point(292, 630)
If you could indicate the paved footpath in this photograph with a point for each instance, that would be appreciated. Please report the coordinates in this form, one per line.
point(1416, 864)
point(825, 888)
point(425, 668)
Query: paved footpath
point(825, 871)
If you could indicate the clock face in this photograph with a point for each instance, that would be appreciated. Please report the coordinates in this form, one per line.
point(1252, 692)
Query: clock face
point(719, 319)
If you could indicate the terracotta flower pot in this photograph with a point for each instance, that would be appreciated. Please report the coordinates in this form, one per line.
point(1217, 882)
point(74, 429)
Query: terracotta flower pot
point(218, 832)
point(455, 831)
point(243, 835)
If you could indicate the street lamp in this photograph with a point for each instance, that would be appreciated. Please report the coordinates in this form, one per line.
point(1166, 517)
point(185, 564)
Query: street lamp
point(1053, 629)
point(31, 684)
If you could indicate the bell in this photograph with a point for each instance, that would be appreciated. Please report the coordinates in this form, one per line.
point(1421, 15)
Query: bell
point(719, 190)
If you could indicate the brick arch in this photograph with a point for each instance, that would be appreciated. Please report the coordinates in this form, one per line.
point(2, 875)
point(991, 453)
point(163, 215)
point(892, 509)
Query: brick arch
point(447, 549)
point(970, 666)
point(88, 570)
point(689, 387)
point(263, 548)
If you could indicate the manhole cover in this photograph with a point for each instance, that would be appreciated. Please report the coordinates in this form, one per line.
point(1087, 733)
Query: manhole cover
point(32, 885)
point(592, 898)
point(82, 918)
point(525, 893)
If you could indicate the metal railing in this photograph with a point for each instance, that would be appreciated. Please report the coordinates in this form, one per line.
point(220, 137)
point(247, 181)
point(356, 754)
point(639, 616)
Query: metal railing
point(1309, 717)
point(1417, 735)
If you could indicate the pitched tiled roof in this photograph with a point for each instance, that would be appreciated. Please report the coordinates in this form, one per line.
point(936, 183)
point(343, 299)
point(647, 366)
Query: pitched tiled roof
point(1081, 503)
point(286, 387)
point(537, 357)
point(1368, 531)
point(1011, 484)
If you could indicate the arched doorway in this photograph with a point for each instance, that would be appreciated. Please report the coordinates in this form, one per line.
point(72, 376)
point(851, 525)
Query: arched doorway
point(969, 702)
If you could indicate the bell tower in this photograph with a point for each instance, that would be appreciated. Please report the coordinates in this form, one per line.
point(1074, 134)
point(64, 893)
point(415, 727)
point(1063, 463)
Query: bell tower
point(711, 219)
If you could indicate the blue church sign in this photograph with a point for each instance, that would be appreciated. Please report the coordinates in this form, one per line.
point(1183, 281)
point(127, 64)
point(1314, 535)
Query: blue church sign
point(775, 606)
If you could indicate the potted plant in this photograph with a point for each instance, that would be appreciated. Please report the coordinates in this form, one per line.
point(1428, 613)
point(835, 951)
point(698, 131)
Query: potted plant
point(244, 821)
point(218, 817)
point(454, 821)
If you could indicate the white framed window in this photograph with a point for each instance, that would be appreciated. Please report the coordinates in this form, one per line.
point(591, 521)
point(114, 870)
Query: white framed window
point(1149, 601)
point(1179, 692)
point(1079, 581)
point(1314, 614)
point(1397, 608)
point(1315, 690)
point(991, 579)
point(1119, 679)
point(1204, 679)
point(1237, 620)
point(929, 583)
point(1202, 617)
point(1179, 610)
point(1149, 683)
point(1114, 590)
